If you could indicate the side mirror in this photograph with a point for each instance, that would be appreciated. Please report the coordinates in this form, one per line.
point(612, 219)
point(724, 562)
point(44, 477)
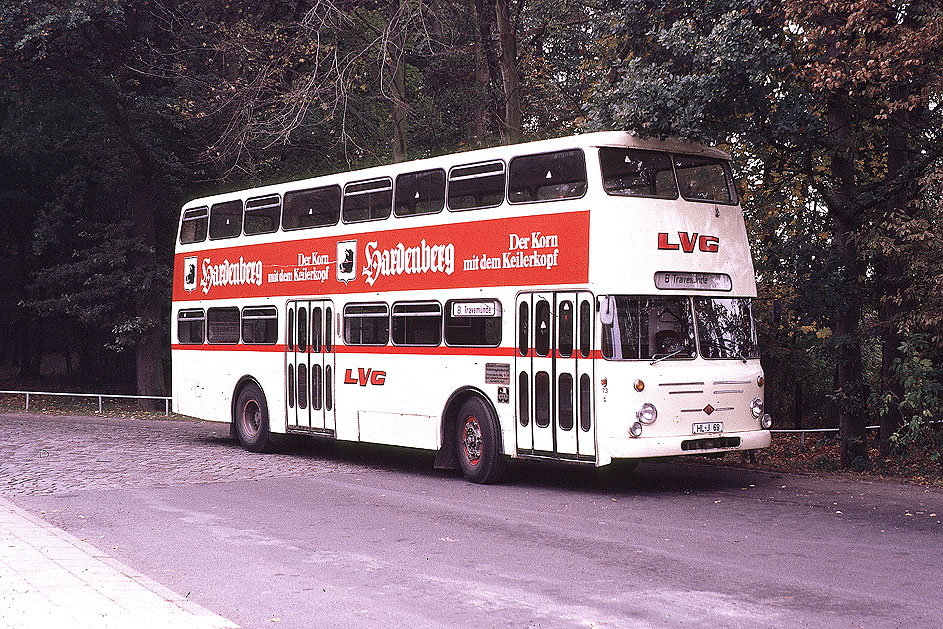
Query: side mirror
point(607, 311)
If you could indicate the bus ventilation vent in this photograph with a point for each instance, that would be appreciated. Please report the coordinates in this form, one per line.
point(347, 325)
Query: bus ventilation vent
point(710, 444)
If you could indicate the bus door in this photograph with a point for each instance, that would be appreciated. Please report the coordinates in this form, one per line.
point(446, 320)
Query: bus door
point(310, 365)
point(554, 370)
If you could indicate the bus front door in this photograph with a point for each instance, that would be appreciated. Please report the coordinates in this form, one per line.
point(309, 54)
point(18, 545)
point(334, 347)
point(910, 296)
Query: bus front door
point(310, 365)
point(554, 371)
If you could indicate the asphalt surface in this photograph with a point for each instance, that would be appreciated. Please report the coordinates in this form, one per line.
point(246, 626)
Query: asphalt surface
point(329, 535)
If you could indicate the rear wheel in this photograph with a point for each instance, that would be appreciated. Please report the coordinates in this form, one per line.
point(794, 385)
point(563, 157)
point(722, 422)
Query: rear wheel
point(251, 419)
point(478, 443)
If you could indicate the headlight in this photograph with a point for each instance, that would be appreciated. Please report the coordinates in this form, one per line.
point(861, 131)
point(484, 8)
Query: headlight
point(757, 407)
point(635, 430)
point(647, 414)
point(766, 422)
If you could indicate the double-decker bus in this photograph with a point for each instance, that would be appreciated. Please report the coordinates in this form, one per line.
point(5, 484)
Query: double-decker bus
point(581, 299)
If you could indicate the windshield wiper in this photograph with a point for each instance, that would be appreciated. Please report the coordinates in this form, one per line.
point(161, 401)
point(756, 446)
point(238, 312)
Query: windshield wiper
point(674, 353)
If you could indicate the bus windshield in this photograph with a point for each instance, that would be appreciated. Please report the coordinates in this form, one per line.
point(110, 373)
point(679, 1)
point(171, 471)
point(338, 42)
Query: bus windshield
point(725, 328)
point(649, 328)
point(662, 328)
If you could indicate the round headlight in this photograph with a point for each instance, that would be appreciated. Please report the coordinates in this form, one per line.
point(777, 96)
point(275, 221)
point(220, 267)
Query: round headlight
point(766, 422)
point(757, 407)
point(635, 430)
point(647, 414)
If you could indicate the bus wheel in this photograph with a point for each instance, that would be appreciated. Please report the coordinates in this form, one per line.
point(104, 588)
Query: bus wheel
point(252, 418)
point(478, 444)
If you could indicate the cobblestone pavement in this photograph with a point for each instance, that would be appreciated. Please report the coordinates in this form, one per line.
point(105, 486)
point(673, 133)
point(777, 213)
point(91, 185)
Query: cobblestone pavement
point(47, 454)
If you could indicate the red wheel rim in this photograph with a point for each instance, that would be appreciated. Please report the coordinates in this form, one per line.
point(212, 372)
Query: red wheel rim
point(471, 440)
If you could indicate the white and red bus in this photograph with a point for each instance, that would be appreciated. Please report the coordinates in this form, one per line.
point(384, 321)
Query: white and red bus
point(582, 299)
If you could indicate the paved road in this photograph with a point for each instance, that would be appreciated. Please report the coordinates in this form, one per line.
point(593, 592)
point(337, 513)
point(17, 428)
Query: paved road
point(335, 535)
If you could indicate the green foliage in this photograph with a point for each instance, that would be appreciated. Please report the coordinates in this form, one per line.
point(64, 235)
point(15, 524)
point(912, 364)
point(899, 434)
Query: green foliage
point(921, 372)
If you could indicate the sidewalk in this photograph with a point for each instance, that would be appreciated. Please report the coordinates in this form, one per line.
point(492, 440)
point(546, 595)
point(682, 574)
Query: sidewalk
point(49, 578)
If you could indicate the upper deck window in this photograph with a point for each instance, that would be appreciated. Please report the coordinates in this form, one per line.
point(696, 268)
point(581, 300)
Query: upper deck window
point(704, 179)
point(368, 200)
point(313, 207)
point(226, 220)
point(547, 176)
point(420, 193)
point(636, 173)
point(477, 186)
point(262, 215)
point(193, 226)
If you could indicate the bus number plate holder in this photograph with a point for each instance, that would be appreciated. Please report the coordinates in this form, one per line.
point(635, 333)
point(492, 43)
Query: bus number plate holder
point(707, 427)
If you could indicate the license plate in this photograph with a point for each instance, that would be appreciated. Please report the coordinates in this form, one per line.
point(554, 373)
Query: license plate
point(705, 427)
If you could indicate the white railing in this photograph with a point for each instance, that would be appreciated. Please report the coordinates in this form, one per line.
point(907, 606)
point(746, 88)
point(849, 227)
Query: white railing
point(100, 397)
point(803, 431)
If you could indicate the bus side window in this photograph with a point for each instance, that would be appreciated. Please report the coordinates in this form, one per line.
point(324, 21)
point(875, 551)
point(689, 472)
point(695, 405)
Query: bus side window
point(420, 193)
point(302, 330)
point(260, 325)
point(473, 323)
point(190, 327)
point(477, 186)
point(523, 342)
point(313, 207)
point(586, 329)
point(417, 324)
point(262, 215)
point(193, 226)
point(565, 329)
point(226, 220)
point(367, 200)
point(222, 326)
point(542, 327)
point(291, 329)
point(366, 324)
point(547, 176)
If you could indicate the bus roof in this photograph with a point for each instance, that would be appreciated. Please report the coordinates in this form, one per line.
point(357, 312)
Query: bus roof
point(505, 152)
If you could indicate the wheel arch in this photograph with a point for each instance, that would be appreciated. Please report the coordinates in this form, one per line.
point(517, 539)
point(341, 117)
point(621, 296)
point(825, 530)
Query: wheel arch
point(240, 384)
point(446, 457)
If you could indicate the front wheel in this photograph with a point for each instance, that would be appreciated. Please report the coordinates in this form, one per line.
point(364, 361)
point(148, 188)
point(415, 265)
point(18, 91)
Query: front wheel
point(251, 419)
point(478, 443)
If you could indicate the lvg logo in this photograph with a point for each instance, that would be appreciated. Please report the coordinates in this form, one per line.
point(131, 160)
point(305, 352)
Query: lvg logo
point(688, 242)
point(365, 376)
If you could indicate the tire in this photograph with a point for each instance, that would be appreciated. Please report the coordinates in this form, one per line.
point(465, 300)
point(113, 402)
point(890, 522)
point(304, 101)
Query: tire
point(478, 443)
point(251, 419)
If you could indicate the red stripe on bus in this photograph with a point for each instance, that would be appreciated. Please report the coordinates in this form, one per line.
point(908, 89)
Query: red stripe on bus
point(547, 250)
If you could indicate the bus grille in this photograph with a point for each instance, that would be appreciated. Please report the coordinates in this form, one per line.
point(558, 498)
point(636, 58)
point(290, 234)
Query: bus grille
point(712, 443)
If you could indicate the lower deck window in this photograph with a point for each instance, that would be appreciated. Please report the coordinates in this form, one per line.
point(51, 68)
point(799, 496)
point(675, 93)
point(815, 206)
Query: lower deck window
point(473, 323)
point(417, 324)
point(190, 327)
point(366, 324)
point(222, 325)
point(260, 325)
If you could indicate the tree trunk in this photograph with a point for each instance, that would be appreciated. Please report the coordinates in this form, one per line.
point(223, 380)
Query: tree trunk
point(149, 349)
point(507, 57)
point(895, 282)
point(849, 384)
